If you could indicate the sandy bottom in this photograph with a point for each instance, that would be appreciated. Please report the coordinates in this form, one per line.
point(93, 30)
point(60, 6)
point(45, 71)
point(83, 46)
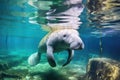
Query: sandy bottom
point(43, 71)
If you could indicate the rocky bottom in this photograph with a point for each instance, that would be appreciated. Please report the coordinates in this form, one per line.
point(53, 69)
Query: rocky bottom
point(96, 69)
point(43, 71)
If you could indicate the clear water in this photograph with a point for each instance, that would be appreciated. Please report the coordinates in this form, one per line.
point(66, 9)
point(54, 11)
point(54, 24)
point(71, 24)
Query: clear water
point(20, 33)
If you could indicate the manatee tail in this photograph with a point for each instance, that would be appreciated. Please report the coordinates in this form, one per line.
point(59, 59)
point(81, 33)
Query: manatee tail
point(34, 58)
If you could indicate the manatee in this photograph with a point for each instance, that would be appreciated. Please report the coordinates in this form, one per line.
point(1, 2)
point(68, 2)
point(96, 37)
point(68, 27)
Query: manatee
point(56, 41)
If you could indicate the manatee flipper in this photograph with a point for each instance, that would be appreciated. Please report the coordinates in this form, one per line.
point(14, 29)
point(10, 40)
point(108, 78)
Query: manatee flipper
point(70, 56)
point(50, 56)
point(34, 58)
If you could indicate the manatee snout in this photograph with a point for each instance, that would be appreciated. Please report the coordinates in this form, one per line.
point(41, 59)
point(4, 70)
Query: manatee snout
point(77, 43)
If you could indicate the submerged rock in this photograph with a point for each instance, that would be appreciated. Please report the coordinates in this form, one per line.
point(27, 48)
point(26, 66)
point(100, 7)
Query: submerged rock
point(9, 62)
point(103, 69)
point(3, 66)
point(7, 76)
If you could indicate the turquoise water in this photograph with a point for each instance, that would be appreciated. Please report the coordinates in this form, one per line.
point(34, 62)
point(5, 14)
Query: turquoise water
point(20, 34)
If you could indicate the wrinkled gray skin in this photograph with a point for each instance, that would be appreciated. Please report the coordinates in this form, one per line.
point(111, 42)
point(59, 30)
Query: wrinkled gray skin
point(57, 41)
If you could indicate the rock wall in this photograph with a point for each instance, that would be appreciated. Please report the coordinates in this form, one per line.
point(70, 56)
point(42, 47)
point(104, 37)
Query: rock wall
point(103, 69)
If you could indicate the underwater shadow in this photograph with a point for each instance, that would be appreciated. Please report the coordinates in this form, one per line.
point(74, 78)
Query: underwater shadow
point(51, 75)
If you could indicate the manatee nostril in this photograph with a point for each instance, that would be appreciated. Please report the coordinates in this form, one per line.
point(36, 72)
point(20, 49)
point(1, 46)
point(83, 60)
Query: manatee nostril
point(81, 45)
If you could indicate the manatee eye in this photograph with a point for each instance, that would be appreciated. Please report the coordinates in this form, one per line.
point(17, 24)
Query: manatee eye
point(64, 35)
